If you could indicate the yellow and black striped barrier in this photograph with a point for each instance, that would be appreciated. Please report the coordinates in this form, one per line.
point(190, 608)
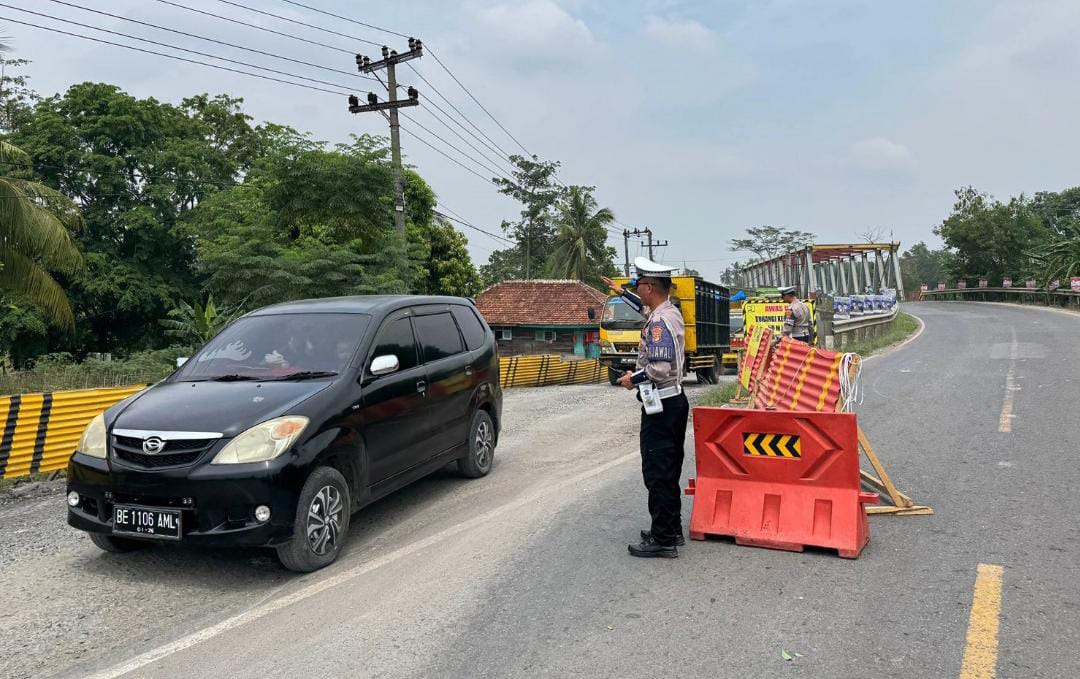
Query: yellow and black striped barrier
point(41, 430)
point(548, 369)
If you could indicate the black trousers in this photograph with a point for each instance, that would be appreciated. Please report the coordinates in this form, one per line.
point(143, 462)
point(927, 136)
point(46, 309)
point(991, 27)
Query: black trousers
point(662, 439)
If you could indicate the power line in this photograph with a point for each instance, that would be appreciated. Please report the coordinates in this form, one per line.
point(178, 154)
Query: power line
point(477, 101)
point(174, 47)
point(466, 155)
point(173, 56)
point(300, 23)
point(493, 145)
point(501, 155)
point(458, 220)
point(443, 154)
point(255, 26)
point(344, 18)
point(218, 42)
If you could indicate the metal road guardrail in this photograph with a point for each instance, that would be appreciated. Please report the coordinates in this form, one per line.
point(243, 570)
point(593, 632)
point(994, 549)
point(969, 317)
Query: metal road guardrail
point(1040, 296)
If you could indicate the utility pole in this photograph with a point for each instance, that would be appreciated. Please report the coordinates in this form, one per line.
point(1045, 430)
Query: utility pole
point(650, 245)
point(626, 252)
point(389, 61)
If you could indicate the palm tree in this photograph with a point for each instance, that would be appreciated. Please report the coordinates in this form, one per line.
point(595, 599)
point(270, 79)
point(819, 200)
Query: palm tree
point(580, 248)
point(197, 324)
point(36, 225)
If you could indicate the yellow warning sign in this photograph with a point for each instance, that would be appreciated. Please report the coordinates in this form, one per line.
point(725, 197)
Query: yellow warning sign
point(769, 313)
point(771, 445)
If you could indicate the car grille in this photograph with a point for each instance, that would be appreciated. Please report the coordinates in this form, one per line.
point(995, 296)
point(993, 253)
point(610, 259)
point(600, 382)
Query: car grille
point(176, 453)
point(626, 348)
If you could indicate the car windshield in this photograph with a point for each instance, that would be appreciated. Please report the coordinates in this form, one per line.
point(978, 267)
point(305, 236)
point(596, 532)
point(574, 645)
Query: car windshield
point(618, 315)
point(278, 347)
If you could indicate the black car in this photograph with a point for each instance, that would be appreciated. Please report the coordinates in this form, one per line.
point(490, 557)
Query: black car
point(290, 419)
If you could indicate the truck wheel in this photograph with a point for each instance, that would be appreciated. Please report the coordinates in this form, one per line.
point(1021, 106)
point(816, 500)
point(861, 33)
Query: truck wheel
point(114, 545)
point(321, 523)
point(707, 375)
point(480, 448)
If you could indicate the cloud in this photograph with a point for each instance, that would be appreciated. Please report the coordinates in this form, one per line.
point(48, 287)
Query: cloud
point(538, 35)
point(882, 155)
point(683, 34)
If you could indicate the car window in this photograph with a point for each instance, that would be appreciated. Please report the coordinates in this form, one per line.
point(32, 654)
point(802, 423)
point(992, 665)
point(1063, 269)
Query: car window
point(438, 335)
point(273, 346)
point(396, 337)
point(471, 327)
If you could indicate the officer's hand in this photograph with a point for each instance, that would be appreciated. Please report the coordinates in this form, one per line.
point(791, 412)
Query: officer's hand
point(618, 289)
point(624, 381)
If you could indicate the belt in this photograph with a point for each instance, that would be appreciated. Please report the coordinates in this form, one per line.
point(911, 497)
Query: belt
point(668, 392)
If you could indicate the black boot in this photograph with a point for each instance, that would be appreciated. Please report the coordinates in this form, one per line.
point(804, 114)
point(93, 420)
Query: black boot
point(649, 548)
point(679, 539)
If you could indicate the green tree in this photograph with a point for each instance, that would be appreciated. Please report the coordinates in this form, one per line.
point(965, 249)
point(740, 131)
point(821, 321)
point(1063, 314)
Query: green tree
point(35, 238)
point(536, 187)
point(580, 248)
point(767, 241)
point(921, 265)
point(991, 238)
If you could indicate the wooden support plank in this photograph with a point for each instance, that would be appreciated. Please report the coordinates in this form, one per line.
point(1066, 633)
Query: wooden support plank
point(874, 481)
point(898, 498)
point(914, 510)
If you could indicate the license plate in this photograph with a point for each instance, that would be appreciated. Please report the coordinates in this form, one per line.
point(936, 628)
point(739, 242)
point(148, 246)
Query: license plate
point(148, 522)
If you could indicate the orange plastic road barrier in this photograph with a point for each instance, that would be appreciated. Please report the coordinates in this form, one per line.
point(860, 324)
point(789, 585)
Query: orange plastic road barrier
point(783, 480)
point(800, 377)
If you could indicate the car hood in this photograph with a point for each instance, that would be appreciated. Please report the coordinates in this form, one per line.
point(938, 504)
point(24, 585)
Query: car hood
point(225, 407)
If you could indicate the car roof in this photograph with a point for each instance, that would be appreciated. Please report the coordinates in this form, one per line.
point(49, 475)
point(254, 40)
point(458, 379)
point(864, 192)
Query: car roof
point(375, 305)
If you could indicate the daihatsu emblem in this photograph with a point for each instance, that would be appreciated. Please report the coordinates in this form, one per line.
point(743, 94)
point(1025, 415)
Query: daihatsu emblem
point(153, 445)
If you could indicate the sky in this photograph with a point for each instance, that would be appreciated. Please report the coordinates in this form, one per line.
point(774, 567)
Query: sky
point(697, 119)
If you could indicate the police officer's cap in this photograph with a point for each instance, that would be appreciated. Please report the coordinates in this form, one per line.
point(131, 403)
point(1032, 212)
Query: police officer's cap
point(647, 267)
point(787, 290)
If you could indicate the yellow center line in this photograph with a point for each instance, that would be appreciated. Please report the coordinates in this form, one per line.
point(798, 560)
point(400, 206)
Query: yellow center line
point(980, 651)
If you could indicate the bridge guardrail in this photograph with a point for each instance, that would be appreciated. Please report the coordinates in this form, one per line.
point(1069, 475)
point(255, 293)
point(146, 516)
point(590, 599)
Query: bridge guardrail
point(836, 333)
point(1060, 298)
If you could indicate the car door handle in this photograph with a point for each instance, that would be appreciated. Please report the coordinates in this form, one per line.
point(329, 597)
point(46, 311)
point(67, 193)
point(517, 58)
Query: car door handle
point(421, 387)
point(468, 370)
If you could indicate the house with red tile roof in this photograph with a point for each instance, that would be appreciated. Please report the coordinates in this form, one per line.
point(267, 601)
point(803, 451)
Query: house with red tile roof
point(543, 317)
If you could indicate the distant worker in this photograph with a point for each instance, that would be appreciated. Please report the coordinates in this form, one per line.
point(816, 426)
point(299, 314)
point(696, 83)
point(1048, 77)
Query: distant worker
point(658, 378)
point(797, 320)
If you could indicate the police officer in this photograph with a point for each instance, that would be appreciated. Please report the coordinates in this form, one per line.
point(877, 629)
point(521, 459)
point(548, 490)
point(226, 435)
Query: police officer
point(661, 353)
point(797, 320)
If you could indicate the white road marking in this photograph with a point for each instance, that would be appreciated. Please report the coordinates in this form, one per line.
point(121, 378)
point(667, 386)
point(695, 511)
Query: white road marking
point(898, 347)
point(1006, 418)
point(314, 588)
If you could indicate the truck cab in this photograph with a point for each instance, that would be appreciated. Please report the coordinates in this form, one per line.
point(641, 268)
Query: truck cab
point(706, 312)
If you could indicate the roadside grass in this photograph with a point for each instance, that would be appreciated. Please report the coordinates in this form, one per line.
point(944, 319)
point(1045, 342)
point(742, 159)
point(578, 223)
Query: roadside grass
point(8, 484)
point(719, 395)
point(902, 328)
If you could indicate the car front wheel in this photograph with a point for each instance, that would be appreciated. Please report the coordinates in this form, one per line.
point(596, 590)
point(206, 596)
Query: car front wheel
point(322, 522)
point(480, 448)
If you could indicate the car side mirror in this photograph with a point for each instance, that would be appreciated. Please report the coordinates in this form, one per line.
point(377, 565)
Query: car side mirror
point(592, 313)
point(384, 365)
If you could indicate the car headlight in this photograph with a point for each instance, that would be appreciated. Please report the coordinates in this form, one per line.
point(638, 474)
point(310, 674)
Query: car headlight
point(607, 347)
point(262, 442)
point(93, 441)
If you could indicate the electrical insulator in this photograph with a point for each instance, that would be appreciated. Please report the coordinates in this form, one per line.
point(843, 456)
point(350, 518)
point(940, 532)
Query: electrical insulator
point(353, 101)
point(367, 61)
point(413, 94)
point(418, 45)
point(393, 53)
point(385, 51)
point(372, 99)
point(360, 59)
point(412, 43)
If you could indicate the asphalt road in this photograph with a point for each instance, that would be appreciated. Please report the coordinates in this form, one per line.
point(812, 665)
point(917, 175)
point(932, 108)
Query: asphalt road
point(525, 573)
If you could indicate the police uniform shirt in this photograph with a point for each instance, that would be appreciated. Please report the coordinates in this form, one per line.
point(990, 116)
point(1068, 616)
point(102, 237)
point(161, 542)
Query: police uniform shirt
point(797, 322)
point(662, 347)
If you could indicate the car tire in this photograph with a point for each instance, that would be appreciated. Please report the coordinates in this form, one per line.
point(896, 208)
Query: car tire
point(115, 545)
point(707, 376)
point(321, 524)
point(480, 447)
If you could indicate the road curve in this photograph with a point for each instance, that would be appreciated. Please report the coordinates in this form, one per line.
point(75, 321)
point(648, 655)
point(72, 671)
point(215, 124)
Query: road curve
point(525, 574)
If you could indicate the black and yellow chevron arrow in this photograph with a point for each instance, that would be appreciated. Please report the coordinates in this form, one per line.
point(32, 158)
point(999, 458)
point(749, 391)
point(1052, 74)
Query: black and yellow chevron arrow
point(771, 445)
